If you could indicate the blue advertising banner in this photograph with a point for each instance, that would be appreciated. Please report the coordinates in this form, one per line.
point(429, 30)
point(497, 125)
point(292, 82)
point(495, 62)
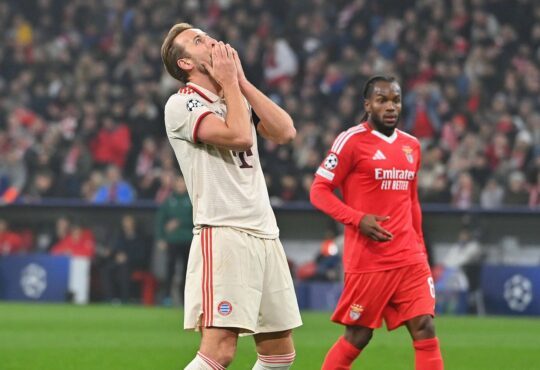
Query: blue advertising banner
point(511, 290)
point(34, 278)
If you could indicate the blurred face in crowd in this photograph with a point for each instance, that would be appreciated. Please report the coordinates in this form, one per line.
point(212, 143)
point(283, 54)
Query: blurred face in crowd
point(128, 223)
point(62, 227)
point(198, 46)
point(384, 106)
point(113, 174)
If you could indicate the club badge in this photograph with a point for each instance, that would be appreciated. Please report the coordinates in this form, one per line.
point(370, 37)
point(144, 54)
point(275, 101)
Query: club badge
point(224, 308)
point(408, 153)
point(356, 311)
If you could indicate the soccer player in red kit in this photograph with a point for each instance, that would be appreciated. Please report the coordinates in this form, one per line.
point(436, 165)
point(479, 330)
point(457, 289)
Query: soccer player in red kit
point(387, 275)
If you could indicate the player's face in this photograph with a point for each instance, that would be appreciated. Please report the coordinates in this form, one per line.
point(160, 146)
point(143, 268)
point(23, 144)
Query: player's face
point(384, 106)
point(198, 45)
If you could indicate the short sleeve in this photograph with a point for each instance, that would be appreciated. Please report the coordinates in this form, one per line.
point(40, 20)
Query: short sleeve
point(183, 114)
point(338, 163)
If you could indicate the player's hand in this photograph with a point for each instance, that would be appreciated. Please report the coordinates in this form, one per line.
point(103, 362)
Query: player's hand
point(239, 69)
point(369, 226)
point(223, 68)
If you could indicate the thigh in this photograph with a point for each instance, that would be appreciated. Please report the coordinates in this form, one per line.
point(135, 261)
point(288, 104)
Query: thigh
point(414, 297)
point(224, 280)
point(365, 297)
point(279, 307)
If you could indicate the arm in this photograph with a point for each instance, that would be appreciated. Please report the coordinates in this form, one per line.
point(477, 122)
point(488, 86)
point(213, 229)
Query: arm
point(275, 124)
point(323, 198)
point(415, 207)
point(235, 132)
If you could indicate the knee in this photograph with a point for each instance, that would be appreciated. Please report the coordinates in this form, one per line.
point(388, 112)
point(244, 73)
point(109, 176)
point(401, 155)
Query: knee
point(225, 353)
point(358, 337)
point(424, 328)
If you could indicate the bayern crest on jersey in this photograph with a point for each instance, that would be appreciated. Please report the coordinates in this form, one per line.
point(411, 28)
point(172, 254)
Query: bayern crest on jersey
point(224, 308)
point(331, 161)
point(355, 311)
point(408, 153)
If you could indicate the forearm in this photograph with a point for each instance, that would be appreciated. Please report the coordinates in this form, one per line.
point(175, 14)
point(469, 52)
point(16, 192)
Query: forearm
point(324, 199)
point(237, 119)
point(275, 122)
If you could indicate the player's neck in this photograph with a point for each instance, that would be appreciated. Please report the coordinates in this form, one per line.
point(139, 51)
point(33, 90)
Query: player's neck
point(206, 82)
point(386, 131)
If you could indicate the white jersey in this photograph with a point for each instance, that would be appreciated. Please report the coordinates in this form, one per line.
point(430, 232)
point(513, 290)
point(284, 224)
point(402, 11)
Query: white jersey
point(226, 188)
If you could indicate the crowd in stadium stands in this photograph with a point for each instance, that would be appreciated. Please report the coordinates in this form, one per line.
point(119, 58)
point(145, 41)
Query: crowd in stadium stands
point(82, 89)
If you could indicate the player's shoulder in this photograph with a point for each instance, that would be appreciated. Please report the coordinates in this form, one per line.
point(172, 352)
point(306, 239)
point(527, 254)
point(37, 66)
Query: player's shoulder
point(186, 99)
point(345, 138)
point(413, 140)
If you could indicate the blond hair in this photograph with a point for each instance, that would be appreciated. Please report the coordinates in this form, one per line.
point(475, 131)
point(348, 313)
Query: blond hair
point(171, 52)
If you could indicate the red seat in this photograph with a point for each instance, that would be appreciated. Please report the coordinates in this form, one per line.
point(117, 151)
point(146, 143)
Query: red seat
point(148, 286)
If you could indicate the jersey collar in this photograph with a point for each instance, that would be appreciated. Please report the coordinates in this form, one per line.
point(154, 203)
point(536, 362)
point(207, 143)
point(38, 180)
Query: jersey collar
point(389, 139)
point(204, 93)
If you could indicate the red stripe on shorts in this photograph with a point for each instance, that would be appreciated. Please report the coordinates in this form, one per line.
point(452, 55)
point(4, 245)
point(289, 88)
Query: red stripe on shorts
point(210, 245)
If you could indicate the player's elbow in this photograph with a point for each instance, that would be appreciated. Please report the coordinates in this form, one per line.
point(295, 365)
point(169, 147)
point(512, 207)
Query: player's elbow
point(288, 135)
point(315, 194)
point(242, 144)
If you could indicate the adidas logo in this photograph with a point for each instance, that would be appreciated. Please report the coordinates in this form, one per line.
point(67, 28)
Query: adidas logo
point(379, 156)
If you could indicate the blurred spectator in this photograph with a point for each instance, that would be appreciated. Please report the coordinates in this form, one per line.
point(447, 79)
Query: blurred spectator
point(173, 233)
point(10, 241)
point(516, 193)
point(112, 143)
point(327, 264)
point(12, 176)
point(491, 196)
point(79, 242)
point(127, 253)
point(422, 104)
point(41, 186)
point(52, 235)
point(464, 192)
point(115, 189)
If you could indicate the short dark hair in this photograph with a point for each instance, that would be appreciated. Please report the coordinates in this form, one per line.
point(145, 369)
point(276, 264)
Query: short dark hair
point(171, 52)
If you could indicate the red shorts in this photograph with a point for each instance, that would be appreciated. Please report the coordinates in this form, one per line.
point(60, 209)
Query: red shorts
point(396, 295)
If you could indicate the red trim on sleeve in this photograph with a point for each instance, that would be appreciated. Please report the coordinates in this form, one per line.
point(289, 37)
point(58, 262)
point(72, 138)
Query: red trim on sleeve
point(196, 127)
point(323, 198)
point(201, 93)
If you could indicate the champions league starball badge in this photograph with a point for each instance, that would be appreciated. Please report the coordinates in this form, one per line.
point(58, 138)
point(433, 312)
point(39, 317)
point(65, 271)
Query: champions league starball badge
point(331, 162)
point(192, 104)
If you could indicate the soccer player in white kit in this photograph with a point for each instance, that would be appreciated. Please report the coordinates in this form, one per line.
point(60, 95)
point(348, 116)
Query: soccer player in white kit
point(238, 280)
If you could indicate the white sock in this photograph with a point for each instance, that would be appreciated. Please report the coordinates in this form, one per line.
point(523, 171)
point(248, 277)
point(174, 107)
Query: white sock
point(275, 362)
point(202, 362)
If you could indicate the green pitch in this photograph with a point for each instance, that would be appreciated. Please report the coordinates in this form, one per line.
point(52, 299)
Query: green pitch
point(53, 337)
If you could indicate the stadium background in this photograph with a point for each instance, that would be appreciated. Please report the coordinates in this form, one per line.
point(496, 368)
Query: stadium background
point(82, 89)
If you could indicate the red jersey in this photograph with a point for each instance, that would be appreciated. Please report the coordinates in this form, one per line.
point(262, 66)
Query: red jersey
point(377, 175)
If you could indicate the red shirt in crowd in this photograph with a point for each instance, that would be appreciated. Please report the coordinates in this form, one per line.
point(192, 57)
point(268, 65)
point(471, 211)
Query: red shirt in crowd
point(78, 243)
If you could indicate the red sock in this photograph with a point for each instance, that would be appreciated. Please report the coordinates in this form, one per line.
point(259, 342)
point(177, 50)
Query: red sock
point(340, 356)
point(428, 354)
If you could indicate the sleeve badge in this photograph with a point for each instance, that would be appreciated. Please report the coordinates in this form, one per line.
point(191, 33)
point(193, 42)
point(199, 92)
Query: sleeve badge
point(331, 162)
point(192, 104)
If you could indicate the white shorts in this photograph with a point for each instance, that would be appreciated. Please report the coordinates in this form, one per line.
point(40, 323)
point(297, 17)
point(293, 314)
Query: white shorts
point(238, 280)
